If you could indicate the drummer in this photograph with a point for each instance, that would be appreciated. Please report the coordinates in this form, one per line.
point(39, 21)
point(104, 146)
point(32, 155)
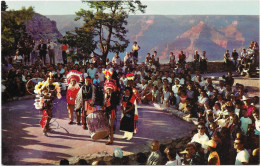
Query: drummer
point(110, 104)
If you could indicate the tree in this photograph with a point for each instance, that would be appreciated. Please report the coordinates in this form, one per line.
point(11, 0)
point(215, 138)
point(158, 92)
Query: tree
point(3, 6)
point(104, 25)
point(13, 28)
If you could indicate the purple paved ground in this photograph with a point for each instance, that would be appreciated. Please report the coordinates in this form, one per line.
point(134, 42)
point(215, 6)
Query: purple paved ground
point(23, 142)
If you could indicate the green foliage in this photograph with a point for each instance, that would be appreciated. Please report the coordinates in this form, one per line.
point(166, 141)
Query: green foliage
point(13, 28)
point(104, 27)
point(3, 6)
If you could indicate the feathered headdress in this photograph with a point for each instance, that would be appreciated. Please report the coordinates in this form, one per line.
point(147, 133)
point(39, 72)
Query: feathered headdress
point(130, 76)
point(74, 74)
point(108, 73)
point(110, 83)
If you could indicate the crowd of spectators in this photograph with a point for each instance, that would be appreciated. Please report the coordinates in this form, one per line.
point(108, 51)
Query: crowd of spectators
point(228, 119)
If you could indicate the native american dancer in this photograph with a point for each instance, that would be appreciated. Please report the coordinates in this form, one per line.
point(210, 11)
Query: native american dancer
point(130, 83)
point(110, 103)
point(127, 123)
point(47, 91)
point(73, 79)
point(85, 100)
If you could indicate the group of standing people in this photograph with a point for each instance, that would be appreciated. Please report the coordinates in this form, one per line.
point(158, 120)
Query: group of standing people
point(27, 52)
point(249, 59)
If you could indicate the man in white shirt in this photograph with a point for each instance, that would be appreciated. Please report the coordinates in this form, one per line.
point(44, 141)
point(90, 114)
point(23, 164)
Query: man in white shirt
point(242, 157)
point(51, 46)
point(201, 137)
point(116, 59)
point(101, 75)
point(92, 71)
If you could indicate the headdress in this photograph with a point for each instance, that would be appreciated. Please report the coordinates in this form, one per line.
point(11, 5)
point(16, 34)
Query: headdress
point(110, 83)
point(130, 76)
point(108, 73)
point(74, 74)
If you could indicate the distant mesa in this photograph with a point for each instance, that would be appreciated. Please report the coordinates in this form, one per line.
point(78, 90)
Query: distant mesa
point(212, 33)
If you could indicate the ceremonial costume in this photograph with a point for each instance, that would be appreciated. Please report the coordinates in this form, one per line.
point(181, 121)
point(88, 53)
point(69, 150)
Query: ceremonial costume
point(85, 100)
point(110, 101)
point(127, 123)
point(46, 92)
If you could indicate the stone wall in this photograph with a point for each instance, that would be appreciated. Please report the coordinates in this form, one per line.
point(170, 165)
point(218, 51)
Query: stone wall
point(178, 143)
point(213, 66)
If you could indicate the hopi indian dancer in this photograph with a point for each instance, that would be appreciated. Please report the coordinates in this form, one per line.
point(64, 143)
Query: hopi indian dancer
point(85, 100)
point(127, 123)
point(130, 83)
point(73, 79)
point(47, 91)
point(110, 102)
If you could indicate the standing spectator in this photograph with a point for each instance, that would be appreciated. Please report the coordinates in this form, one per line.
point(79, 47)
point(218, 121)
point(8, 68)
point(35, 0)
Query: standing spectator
point(242, 154)
point(18, 59)
point(42, 47)
point(147, 58)
point(101, 75)
point(127, 58)
point(135, 49)
point(116, 59)
point(227, 60)
point(196, 61)
point(155, 158)
point(51, 47)
point(64, 48)
point(203, 62)
point(172, 60)
point(34, 55)
point(246, 122)
point(182, 59)
point(92, 71)
point(235, 57)
point(27, 50)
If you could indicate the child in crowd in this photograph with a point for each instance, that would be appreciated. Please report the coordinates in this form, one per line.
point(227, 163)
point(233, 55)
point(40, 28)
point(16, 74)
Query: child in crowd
point(172, 100)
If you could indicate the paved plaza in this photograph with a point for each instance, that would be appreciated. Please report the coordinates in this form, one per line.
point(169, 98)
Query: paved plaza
point(23, 142)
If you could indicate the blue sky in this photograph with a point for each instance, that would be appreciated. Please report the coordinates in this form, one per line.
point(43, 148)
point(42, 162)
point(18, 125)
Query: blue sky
point(174, 7)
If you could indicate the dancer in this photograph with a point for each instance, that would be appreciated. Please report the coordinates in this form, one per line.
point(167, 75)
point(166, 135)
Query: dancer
point(46, 91)
point(85, 100)
point(130, 83)
point(73, 78)
point(128, 111)
point(110, 103)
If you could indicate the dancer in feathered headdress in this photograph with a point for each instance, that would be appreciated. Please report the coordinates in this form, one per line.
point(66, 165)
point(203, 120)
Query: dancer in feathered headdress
point(73, 78)
point(111, 100)
point(85, 100)
point(47, 91)
point(130, 83)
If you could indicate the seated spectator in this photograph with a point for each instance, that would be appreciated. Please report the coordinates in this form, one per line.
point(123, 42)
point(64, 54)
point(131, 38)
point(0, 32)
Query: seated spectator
point(64, 162)
point(141, 158)
point(172, 156)
point(242, 154)
point(191, 155)
point(155, 158)
point(213, 158)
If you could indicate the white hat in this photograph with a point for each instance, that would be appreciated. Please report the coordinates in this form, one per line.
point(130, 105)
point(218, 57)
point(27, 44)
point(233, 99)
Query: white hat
point(244, 98)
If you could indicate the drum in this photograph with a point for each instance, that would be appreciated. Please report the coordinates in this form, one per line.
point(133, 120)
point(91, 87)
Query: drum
point(98, 125)
point(89, 108)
